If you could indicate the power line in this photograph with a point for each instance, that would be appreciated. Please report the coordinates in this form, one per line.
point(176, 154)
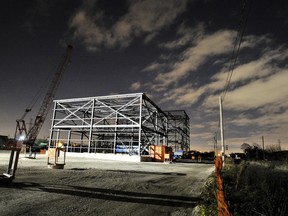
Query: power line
point(233, 60)
point(237, 45)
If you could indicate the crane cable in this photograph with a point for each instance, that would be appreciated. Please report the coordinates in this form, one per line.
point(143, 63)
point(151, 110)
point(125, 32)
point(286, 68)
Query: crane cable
point(38, 94)
point(237, 45)
point(36, 97)
point(32, 103)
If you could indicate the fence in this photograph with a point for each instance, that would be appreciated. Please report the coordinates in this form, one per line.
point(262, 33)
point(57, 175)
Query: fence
point(222, 205)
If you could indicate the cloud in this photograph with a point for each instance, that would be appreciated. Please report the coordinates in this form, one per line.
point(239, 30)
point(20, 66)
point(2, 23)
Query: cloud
point(257, 81)
point(254, 84)
point(144, 18)
point(184, 95)
point(218, 46)
point(135, 86)
point(259, 93)
point(187, 37)
point(253, 80)
point(218, 43)
point(262, 67)
point(203, 135)
point(266, 120)
point(156, 67)
point(87, 30)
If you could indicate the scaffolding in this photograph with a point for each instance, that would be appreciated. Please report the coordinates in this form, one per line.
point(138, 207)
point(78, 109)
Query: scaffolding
point(178, 130)
point(124, 124)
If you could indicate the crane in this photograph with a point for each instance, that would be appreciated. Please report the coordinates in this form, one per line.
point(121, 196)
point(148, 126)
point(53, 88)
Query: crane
point(30, 136)
point(22, 136)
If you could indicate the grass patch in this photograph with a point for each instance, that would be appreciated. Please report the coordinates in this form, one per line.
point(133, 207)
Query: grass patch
point(208, 207)
point(256, 188)
point(251, 188)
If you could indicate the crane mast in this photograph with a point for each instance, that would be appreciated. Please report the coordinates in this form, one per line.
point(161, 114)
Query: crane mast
point(46, 104)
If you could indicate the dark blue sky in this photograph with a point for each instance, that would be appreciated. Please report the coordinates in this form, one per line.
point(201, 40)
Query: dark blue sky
point(176, 51)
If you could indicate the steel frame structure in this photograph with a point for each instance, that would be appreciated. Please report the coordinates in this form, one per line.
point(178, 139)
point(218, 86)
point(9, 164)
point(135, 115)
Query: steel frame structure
point(178, 130)
point(127, 124)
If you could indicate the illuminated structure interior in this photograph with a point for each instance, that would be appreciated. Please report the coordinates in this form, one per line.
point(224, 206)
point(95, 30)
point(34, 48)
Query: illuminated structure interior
point(126, 124)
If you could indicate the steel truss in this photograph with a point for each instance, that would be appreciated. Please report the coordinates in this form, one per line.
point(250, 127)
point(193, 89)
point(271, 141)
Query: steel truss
point(127, 124)
point(178, 130)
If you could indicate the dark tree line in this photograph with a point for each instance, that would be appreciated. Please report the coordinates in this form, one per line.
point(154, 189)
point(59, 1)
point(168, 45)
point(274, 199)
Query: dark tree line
point(255, 152)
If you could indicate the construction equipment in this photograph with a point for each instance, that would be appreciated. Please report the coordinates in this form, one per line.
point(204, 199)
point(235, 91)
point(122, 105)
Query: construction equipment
point(32, 134)
point(53, 161)
point(28, 138)
point(15, 148)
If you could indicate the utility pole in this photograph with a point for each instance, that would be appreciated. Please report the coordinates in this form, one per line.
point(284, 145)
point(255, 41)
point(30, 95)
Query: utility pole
point(279, 144)
point(263, 148)
point(221, 129)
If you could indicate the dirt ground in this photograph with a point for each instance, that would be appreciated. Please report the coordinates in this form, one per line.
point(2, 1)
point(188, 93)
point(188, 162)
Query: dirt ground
point(89, 186)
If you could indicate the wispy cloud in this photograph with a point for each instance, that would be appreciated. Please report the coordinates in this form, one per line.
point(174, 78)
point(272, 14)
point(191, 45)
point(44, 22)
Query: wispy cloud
point(184, 95)
point(254, 84)
point(143, 19)
point(209, 45)
point(135, 86)
point(267, 119)
point(159, 67)
point(187, 36)
point(259, 93)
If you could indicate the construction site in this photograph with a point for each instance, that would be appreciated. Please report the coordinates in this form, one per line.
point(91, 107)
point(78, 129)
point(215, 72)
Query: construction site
point(116, 149)
point(130, 125)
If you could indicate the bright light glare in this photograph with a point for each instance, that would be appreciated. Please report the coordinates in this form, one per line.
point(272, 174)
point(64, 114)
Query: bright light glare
point(21, 138)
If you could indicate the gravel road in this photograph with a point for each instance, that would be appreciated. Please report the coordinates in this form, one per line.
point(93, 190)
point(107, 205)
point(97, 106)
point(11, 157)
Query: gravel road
point(89, 186)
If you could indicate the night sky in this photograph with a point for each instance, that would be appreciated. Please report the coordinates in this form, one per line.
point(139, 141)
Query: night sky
point(178, 52)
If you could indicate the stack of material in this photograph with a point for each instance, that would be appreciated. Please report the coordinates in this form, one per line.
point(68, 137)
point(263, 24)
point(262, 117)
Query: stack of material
point(160, 153)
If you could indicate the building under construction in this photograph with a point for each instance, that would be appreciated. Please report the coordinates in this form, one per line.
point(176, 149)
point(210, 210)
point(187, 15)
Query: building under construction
point(118, 124)
point(178, 135)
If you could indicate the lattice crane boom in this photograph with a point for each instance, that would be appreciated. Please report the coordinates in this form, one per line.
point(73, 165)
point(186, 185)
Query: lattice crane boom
point(48, 100)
